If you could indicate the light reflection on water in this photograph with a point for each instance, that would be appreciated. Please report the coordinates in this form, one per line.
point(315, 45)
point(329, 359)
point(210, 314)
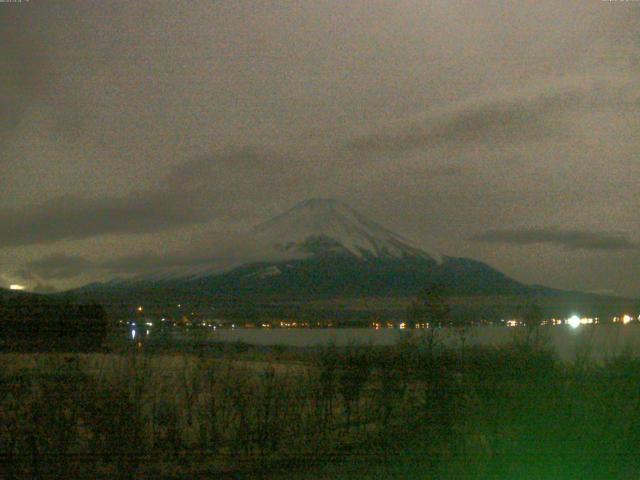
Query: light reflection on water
point(599, 341)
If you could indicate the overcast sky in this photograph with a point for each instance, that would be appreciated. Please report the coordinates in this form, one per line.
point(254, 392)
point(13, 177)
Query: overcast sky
point(139, 133)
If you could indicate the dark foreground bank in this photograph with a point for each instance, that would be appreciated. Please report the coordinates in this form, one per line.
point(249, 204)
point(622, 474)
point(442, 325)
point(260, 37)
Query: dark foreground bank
point(412, 410)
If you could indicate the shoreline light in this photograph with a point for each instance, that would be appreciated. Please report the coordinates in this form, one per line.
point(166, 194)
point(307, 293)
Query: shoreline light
point(15, 286)
point(574, 321)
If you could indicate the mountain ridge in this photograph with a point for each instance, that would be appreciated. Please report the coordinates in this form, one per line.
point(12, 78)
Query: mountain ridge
point(331, 251)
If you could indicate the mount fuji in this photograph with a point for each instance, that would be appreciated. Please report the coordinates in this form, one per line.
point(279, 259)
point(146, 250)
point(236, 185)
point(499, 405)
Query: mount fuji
point(319, 249)
point(329, 227)
point(322, 259)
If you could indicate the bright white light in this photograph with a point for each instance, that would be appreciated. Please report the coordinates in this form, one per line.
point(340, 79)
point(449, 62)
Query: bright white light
point(15, 286)
point(574, 321)
point(140, 308)
point(626, 319)
point(133, 334)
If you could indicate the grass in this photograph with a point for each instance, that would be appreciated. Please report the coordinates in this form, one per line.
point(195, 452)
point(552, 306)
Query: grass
point(405, 411)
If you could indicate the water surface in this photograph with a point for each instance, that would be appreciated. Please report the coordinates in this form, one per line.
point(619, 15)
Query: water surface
point(595, 341)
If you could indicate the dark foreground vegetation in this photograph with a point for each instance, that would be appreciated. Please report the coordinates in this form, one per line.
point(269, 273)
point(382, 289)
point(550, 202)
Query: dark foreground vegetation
point(408, 411)
point(41, 323)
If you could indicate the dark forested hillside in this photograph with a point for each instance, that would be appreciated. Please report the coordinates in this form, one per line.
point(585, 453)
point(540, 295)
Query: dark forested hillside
point(43, 322)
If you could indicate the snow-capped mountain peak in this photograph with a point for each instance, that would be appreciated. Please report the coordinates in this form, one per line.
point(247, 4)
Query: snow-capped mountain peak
point(326, 225)
point(314, 227)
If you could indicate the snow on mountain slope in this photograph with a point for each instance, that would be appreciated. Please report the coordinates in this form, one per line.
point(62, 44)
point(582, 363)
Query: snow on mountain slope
point(313, 227)
point(267, 272)
point(318, 223)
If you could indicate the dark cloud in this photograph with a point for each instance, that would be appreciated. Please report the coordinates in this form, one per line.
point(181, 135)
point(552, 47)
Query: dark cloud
point(60, 266)
point(10, 112)
point(447, 171)
point(23, 63)
point(211, 251)
point(570, 239)
point(77, 217)
point(55, 266)
point(237, 174)
point(532, 114)
point(141, 263)
point(242, 161)
point(63, 266)
point(220, 185)
point(191, 193)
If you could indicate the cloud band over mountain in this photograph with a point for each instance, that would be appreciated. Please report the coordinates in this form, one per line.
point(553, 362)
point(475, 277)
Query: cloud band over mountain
point(570, 239)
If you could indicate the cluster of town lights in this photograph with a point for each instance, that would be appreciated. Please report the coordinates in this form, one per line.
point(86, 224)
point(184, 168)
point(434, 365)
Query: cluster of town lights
point(574, 321)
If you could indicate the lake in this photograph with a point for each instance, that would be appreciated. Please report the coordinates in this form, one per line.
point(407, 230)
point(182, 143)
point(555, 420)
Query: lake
point(597, 341)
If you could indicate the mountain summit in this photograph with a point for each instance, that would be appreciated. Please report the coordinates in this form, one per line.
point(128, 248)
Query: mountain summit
point(320, 248)
point(323, 251)
point(321, 226)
